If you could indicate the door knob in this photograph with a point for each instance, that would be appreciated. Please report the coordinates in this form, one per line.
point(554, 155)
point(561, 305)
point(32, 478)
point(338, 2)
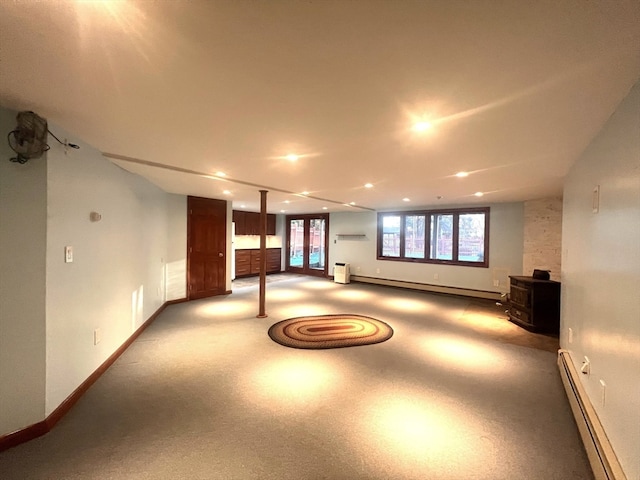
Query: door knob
point(220, 254)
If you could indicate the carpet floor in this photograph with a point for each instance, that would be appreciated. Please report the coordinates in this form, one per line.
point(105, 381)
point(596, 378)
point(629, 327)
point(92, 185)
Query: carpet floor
point(458, 392)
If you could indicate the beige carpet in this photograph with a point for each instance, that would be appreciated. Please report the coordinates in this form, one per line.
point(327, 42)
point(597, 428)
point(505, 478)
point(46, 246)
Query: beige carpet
point(204, 393)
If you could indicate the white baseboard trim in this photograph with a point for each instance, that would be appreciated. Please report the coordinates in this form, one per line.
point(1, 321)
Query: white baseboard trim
point(466, 292)
point(602, 458)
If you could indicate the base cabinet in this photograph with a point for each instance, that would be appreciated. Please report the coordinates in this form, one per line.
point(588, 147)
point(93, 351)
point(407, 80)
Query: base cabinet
point(535, 304)
point(248, 261)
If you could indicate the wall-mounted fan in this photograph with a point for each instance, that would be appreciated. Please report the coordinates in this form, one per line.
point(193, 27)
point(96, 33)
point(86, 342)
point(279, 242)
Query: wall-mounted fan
point(29, 139)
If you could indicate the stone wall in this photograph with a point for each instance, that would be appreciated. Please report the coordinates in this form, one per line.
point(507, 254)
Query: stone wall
point(542, 236)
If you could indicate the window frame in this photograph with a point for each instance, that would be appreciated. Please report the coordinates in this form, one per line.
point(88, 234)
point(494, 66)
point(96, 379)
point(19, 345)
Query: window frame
point(456, 212)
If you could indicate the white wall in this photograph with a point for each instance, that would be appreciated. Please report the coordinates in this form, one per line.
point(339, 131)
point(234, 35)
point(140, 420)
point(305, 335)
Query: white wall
point(505, 252)
point(23, 217)
point(50, 309)
point(117, 278)
point(601, 276)
point(176, 260)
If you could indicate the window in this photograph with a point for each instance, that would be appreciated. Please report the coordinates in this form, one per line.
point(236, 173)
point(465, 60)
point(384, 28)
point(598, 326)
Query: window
point(391, 235)
point(455, 236)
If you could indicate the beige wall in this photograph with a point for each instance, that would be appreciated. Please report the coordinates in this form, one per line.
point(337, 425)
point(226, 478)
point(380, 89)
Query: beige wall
point(542, 236)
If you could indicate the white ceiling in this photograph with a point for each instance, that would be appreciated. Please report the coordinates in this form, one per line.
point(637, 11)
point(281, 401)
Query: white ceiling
point(514, 91)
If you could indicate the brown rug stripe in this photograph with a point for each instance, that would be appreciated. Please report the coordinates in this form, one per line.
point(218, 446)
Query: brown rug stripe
point(330, 331)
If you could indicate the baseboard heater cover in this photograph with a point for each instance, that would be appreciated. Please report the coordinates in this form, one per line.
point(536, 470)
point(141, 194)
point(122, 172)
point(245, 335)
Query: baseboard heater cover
point(602, 458)
point(426, 287)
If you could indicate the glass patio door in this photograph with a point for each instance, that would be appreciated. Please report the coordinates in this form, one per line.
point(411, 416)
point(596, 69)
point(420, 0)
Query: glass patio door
point(307, 244)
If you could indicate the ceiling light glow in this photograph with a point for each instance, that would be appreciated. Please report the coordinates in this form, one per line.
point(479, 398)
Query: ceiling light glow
point(221, 174)
point(405, 199)
point(226, 192)
point(292, 157)
point(462, 174)
point(421, 126)
point(478, 194)
point(368, 185)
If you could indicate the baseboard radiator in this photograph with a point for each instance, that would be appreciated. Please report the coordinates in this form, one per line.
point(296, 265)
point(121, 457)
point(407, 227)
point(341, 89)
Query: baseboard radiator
point(602, 458)
point(425, 287)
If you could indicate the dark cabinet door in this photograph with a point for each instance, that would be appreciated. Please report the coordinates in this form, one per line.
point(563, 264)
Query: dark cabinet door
point(248, 223)
point(240, 219)
point(243, 262)
point(271, 224)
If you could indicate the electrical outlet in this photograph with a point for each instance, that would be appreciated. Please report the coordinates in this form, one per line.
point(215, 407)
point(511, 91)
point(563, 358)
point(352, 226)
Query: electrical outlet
point(496, 283)
point(97, 336)
point(358, 269)
point(377, 270)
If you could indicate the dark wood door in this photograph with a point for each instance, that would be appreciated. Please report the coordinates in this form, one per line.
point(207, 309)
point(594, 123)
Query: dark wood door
point(206, 247)
point(307, 247)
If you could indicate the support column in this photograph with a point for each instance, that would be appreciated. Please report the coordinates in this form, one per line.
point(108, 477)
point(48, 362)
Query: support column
point(263, 253)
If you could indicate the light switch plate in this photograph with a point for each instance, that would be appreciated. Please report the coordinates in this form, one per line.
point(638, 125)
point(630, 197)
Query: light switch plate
point(68, 254)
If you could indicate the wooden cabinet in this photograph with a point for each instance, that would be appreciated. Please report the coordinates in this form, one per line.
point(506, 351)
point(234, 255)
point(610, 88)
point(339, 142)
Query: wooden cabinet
point(535, 304)
point(255, 261)
point(248, 223)
point(271, 224)
point(240, 219)
point(274, 260)
point(243, 262)
point(248, 261)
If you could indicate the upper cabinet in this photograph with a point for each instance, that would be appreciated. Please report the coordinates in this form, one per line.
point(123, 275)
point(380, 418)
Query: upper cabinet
point(248, 223)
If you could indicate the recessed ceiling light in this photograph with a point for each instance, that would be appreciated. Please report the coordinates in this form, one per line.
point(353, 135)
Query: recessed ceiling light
point(305, 193)
point(421, 126)
point(325, 208)
point(226, 192)
point(243, 206)
point(352, 203)
point(287, 201)
point(405, 199)
point(221, 174)
point(478, 194)
point(462, 174)
point(292, 157)
point(282, 211)
point(368, 185)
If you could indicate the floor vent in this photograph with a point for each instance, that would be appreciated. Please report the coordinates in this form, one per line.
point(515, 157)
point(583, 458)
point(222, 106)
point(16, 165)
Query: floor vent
point(602, 458)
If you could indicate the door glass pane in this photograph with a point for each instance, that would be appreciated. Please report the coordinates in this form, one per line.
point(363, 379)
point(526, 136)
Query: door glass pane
point(441, 235)
point(316, 244)
point(414, 236)
point(471, 237)
point(296, 243)
point(391, 236)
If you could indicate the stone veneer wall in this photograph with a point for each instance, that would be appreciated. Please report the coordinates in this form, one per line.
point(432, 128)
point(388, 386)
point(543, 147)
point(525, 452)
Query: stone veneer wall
point(542, 236)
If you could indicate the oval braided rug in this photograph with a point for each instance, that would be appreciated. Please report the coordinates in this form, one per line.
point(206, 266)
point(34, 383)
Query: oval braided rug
point(330, 331)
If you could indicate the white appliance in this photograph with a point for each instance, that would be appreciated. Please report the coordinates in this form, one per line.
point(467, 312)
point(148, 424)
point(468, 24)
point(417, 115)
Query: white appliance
point(341, 273)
